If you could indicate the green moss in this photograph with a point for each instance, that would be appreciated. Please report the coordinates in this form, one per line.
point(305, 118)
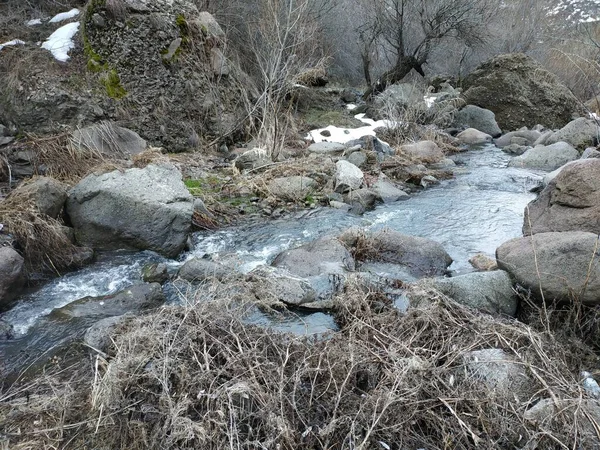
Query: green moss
point(112, 83)
point(184, 29)
point(208, 185)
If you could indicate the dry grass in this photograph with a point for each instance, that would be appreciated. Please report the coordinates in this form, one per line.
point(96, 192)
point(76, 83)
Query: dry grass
point(198, 377)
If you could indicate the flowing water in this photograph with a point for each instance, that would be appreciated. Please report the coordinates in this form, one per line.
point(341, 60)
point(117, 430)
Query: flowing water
point(478, 210)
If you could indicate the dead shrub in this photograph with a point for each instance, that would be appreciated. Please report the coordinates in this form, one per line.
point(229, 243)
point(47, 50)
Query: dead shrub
point(199, 377)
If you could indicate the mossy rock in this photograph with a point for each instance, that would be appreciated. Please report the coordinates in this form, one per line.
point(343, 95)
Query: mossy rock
point(320, 119)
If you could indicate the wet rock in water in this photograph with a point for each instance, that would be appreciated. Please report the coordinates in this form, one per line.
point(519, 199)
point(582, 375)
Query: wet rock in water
point(491, 292)
point(521, 138)
point(98, 336)
point(515, 149)
point(146, 209)
point(570, 202)
point(580, 133)
point(200, 269)
point(253, 159)
point(521, 93)
point(323, 256)
point(292, 188)
point(387, 191)
point(420, 256)
point(483, 262)
point(340, 205)
point(548, 158)
point(444, 164)
point(12, 275)
point(327, 148)
point(554, 266)
point(365, 198)
point(138, 297)
point(47, 194)
point(271, 286)
point(423, 151)
point(502, 373)
point(7, 331)
point(481, 119)
point(155, 273)
point(108, 139)
point(429, 180)
point(471, 136)
point(348, 177)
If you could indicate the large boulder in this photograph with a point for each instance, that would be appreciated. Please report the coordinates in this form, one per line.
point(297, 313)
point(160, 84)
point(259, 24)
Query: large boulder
point(481, 119)
point(424, 151)
point(108, 139)
point(47, 195)
point(11, 275)
point(544, 157)
point(554, 266)
point(491, 292)
point(521, 93)
point(580, 133)
point(146, 209)
point(323, 256)
point(421, 257)
point(570, 202)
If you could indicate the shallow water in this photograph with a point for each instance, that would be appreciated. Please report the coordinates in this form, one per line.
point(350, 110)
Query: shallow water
point(475, 212)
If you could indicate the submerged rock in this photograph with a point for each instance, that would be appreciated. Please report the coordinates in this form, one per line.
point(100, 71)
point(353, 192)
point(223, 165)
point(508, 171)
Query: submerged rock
point(146, 209)
point(155, 273)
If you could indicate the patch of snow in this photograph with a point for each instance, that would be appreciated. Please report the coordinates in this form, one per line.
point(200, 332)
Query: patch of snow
point(11, 43)
point(429, 100)
point(343, 135)
point(61, 41)
point(65, 16)
point(33, 22)
point(351, 106)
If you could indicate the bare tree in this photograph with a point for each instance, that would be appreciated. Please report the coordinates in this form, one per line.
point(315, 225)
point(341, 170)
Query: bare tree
point(410, 29)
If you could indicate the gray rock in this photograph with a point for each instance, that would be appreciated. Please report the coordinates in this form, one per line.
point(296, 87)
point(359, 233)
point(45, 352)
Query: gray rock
point(208, 25)
point(47, 194)
point(367, 198)
point(219, 63)
point(323, 256)
point(109, 140)
point(359, 159)
point(491, 292)
point(135, 298)
point(570, 202)
point(471, 136)
point(515, 149)
point(399, 95)
point(444, 164)
point(292, 188)
point(481, 119)
point(348, 177)
point(387, 191)
point(200, 269)
point(554, 266)
point(429, 180)
point(542, 140)
point(340, 205)
point(580, 133)
point(483, 262)
point(271, 285)
point(326, 148)
point(420, 256)
point(552, 175)
point(502, 373)
point(253, 159)
point(423, 151)
point(12, 275)
point(548, 158)
point(155, 273)
point(98, 336)
point(521, 137)
point(590, 152)
point(173, 47)
point(521, 93)
point(148, 209)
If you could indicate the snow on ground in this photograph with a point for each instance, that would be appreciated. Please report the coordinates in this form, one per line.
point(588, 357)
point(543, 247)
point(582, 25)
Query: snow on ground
point(33, 22)
point(65, 16)
point(343, 135)
point(429, 100)
point(351, 106)
point(61, 41)
point(11, 43)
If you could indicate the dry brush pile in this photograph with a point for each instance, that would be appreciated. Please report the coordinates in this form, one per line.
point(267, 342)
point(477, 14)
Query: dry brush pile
point(199, 377)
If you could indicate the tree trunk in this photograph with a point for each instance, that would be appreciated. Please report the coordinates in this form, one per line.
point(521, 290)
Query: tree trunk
point(402, 68)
